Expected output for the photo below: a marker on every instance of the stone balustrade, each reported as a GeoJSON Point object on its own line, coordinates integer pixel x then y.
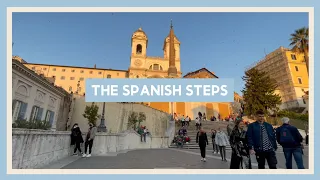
{"type": "Point", "coordinates": [37, 148]}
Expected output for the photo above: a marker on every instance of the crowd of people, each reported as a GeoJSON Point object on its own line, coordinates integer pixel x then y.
{"type": "Point", "coordinates": [258, 138]}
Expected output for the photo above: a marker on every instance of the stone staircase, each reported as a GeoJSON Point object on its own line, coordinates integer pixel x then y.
{"type": "Point", "coordinates": [207, 126]}
{"type": "Point", "coordinates": [192, 133]}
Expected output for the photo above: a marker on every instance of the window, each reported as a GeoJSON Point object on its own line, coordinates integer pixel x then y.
{"type": "Point", "coordinates": [117, 74]}
{"type": "Point", "coordinates": [71, 78]}
{"type": "Point", "coordinates": [62, 78]}
{"type": "Point", "coordinates": [99, 73]}
{"type": "Point", "coordinates": [300, 80]}
{"type": "Point", "coordinates": [54, 69]}
{"type": "Point", "coordinates": [36, 113]}
{"type": "Point", "coordinates": [19, 109]}
{"type": "Point", "coordinates": [139, 49]}
{"type": "Point", "coordinates": [44, 69]}
{"type": "Point", "coordinates": [296, 67]}
{"type": "Point", "coordinates": [156, 67]}
{"type": "Point", "coordinates": [293, 57]}
{"type": "Point", "coordinates": [108, 76]}
{"type": "Point", "coordinates": [81, 71]}
{"type": "Point", "coordinates": [81, 79]}
{"type": "Point", "coordinates": [137, 76]}
{"type": "Point", "coordinates": [63, 70]}
{"type": "Point", "coordinates": [91, 72]}
{"type": "Point", "coordinates": [54, 77]}
{"type": "Point", "coordinates": [70, 88]}
{"type": "Point", "coordinates": [72, 70]}
{"type": "Point", "coordinates": [50, 117]}
{"type": "Point", "coordinates": [33, 68]}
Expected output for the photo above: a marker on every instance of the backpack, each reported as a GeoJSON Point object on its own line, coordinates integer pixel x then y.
{"type": "Point", "coordinates": [286, 136]}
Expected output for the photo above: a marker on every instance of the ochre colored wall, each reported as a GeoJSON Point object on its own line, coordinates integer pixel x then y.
{"type": "Point", "coordinates": [223, 110]}
{"type": "Point", "coordinates": [181, 108]}
{"type": "Point", "coordinates": [209, 110]}
{"type": "Point", "coordinates": [162, 106]}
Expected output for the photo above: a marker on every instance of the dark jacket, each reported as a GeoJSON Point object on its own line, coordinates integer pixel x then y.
{"type": "Point", "coordinates": [254, 136]}
{"type": "Point", "coordinates": [202, 139]}
{"type": "Point", "coordinates": [76, 136]}
{"type": "Point", "coordinates": [294, 132]}
{"type": "Point", "coordinates": [239, 142]}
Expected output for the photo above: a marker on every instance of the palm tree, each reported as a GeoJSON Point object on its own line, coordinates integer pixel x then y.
{"type": "Point", "coordinates": [300, 42]}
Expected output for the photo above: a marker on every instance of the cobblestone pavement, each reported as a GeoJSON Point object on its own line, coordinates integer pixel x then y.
{"type": "Point", "coordinates": [156, 159]}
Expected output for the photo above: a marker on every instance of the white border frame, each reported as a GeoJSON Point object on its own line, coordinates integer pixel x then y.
{"type": "Point", "coordinates": [309, 10]}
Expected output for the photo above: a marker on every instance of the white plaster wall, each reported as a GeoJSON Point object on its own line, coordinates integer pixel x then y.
{"type": "Point", "coordinates": [30, 97]}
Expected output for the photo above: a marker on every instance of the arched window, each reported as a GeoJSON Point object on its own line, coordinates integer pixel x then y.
{"type": "Point", "coordinates": [139, 49]}
{"type": "Point", "coordinates": [70, 88]}
{"type": "Point", "coordinates": [137, 76]}
{"type": "Point", "coordinates": [108, 76]}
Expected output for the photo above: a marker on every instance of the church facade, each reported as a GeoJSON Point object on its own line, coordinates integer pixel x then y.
{"type": "Point", "coordinates": [72, 78]}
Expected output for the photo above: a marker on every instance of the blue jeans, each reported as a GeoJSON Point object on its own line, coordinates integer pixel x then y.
{"type": "Point", "coordinates": [297, 154]}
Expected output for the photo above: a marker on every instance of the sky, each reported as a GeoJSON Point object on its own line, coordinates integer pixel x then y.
{"type": "Point", "coordinates": [224, 43]}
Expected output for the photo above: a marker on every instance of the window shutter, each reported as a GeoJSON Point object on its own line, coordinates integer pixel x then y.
{"type": "Point", "coordinates": [23, 110]}
{"type": "Point", "coordinates": [13, 106]}
{"type": "Point", "coordinates": [51, 118]}
{"type": "Point", "coordinates": [39, 115]}
{"type": "Point", "coordinates": [31, 115]}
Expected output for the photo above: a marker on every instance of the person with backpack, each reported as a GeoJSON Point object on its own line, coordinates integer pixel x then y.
{"type": "Point", "coordinates": [290, 139]}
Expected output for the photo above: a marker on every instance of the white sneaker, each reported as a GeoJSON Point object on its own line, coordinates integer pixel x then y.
{"type": "Point", "coordinates": [201, 159]}
{"type": "Point", "coordinates": [204, 159]}
{"type": "Point", "coordinates": [89, 155]}
{"type": "Point", "coordinates": [84, 155]}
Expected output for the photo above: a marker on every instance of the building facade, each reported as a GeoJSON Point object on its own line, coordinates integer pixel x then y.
{"type": "Point", "coordinates": [72, 79]}
{"type": "Point", "coordinates": [36, 98]}
{"type": "Point", "coordinates": [290, 72]}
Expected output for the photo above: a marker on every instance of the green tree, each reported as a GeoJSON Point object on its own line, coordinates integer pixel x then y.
{"type": "Point", "coordinates": [141, 118]}
{"type": "Point", "coordinates": [259, 92]}
{"type": "Point", "coordinates": [91, 114]}
{"type": "Point", "coordinates": [132, 120]}
{"type": "Point", "coordinates": [300, 43]}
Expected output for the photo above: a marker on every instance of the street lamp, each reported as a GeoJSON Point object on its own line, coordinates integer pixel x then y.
{"type": "Point", "coordinates": [102, 127]}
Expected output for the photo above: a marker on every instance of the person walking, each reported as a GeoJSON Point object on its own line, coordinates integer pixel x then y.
{"type": "Point", "coordinates": [240, 157]}
{"type": "Point", "coordinates": [222, 141]}
{"type": "Point", "coordinates": [198, 124]}
{"type": "Point", "coordinates": [89, 140]}
{"type": "Point", "coordinates": [262, 142]}
{"type": "Point", "coordinates": [187, 121]}
{"type": "Point", "coordinates": [183, 123]}
{"type": "Point", "coordinates": [214, 146]}
{"type": "Point", "coordinates": [76, 139]}
{"type": "Point", "coordinates": [290, 139]}
{"type": "Point", "coordinates": [202, 140]}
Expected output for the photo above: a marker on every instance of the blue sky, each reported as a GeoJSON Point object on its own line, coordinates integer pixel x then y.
{"type": "Point", "coordinates": [225, 43]}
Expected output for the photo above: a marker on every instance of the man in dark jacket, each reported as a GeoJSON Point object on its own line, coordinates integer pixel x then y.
{"type": "Point", "coordinates": [262, 141]}
{"type": "Point", "coordinates": [290, 139]}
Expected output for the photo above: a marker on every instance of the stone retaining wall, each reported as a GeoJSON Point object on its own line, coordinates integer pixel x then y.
{"type": "Point", "coordinates": [37, 148]}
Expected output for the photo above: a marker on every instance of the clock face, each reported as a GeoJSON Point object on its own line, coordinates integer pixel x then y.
{"type": "Point", "coordinates": [138, 62]}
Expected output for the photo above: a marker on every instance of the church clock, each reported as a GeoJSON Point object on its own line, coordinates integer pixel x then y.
{"type": "Point", "coordinates": [138, 62]}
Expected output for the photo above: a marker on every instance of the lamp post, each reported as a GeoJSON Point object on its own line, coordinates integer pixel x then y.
{"type": "Point", "coordinates": [102, 127]}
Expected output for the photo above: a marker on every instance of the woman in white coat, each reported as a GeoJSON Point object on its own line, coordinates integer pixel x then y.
{"type": "Point", "coordinates": [222, 141]}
